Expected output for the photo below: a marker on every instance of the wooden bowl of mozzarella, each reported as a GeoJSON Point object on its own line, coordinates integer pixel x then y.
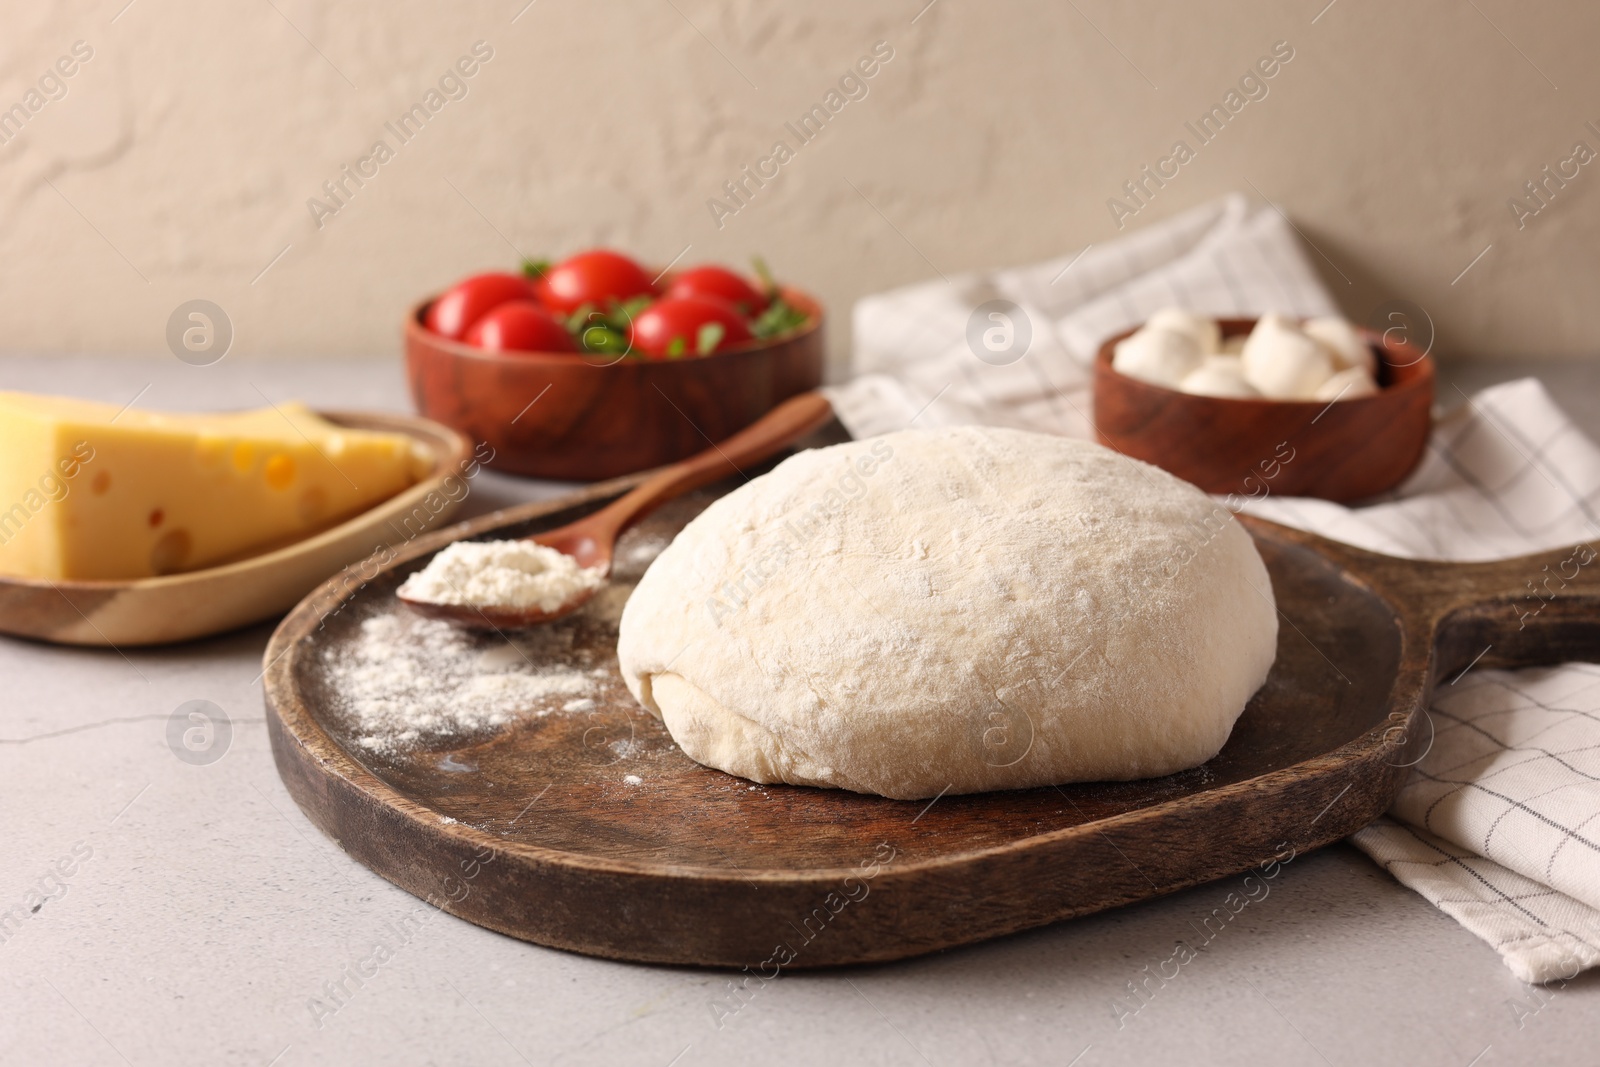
{"type": "Point", "coordinates": [1269, 406]}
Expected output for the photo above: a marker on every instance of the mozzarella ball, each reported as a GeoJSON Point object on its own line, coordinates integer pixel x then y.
{"type": "Point", "coordinates": [1343, 343]}
{"type": "Point", "coordinates": [1282, 362]}
{"type": "Point", "coordinates": [1219, 376]}
{"type": "Point", "coordinates": [1205, 331]}
{"type": "Point", "coordinates": [1347, 385]}
{"type": "Point", "coordinates": [1164, 357]}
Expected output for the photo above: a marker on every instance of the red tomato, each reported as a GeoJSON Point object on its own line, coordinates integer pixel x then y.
{"type": "Point", "coordinates": [520, 326]}
{"type": "Point", "coordinates": [719, 282]}
{"type": "Point", "coordinates": [453, 314]}
{"type": "Point", "coordinates": [597, 277]}
{"type": "Point", "coordinates": [682, 317]}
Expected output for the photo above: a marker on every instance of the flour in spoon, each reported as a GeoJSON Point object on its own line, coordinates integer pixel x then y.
{"type": "Point", "coordinates": [513, 574]}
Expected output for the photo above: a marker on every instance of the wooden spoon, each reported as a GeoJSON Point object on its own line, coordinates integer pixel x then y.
{"type": "Point", "coordinates": [591, 540]}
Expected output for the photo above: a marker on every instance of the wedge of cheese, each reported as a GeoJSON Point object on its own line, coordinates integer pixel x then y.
{"type": "Point", "coordinates": [90, 491]}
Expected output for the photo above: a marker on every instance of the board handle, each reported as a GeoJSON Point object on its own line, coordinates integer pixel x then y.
{"type": "Point", "coordinates": [1522, 612]}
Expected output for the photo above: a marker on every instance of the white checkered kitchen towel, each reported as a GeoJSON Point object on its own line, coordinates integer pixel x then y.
{"type": "Point", "coordinates": [1499, 824]}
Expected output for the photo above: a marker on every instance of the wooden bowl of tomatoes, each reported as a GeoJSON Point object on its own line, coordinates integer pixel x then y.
{"type": "Point", "coordinates": [596, 367]}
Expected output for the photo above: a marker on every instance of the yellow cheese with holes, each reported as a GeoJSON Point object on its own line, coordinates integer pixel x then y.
{"type": "Point", "coordinates": [90, 491]}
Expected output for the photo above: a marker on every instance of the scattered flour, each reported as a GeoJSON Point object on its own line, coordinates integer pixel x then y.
{"type": "Point", "coordinates": [632, 779]}
{"type": "Point", "coordinates": [406, 679]}
{"type": "Point", "coordinates": [641, 553]}
{"type": "Point", "coordinates": [515, 574]}
{"type": "Point", "coordinates": [608, 603]}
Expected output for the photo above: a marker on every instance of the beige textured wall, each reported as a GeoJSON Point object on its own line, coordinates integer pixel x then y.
{"type": "Point", "coordinates": [179, 161]}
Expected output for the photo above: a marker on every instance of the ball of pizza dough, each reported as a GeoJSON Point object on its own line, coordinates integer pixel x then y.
{"type": "Point", "coordinates": [957, 610]}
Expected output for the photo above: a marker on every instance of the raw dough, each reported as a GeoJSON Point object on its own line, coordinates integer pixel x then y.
{"type": "Point", "coordinates": [955, 610]}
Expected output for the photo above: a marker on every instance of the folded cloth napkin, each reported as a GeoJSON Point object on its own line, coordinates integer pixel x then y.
{"type": "Point", "coordinates": [915, 348]}
{"type": "Point", "coordinates": [1499, 824]}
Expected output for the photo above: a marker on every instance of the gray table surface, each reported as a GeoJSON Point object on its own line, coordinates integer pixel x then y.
{"type": "Point", "coordinates": [210, 918]}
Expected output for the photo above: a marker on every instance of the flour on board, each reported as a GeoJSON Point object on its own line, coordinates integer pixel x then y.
{"type": "Point", "coordinates": [406, 679]}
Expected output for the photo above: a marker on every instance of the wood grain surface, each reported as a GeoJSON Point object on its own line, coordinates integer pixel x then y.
{"type": "Point", "coordinates": [181, 607]}
{"type": "Point", "coordinates": [531, 828]}
{"type": "Point", "coordinates": [1344, 451]}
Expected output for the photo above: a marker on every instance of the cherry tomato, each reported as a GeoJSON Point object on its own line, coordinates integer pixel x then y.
{"type": "Point", "coordinates": [672, 326]}
{"type": "Point", "coordinates": [520, 326]}
{"type": "Point", "coordinates": [719, 282]}
{"type": "Point", "coordinates": [597, 277]}
{"type": "Point", "coordinates": [453, 314]}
